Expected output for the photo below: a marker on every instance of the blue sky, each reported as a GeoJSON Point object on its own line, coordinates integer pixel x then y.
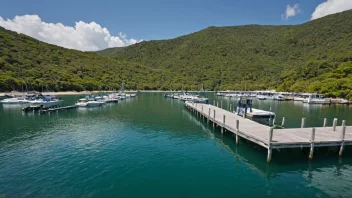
{"type": "Point", "coordinates": [161, 19]}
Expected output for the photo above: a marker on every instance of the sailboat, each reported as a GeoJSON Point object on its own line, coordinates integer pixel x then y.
{"type": "Point", "coordinates": [121, 94]}
{"type": "Point", "coordinates": [16, 97]}
{"type": "Point", "coordinates": [45, 101]}
{"type": "Point", "coordinates": [195, 98]}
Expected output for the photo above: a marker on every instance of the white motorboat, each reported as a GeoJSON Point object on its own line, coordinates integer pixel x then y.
{"type": "Point", "coordinates": [176, 96]}
{"type": "Point", "coordinates": [261, 97]}
{"type": "Point", "coordinates": [279, 97]}
{"type": "Point", "coordinates": [46, 103]}
{"type": "Point", "coordinates": [316, 99]}
{"type": "Point", "coordinates": [98, 97]}
{"type": "Point", "coordinates": [84, 102]}
{"type": "Point", "coordinates": [193, 98]}
{"type": "Point", "coordinates": [298, 99]}
{"type": "Point", "coordinates": [14, 101]}
{"type": "Point", "coordinates": [110, 99]}
{"type": "Point", "coordinates": [186, 97]}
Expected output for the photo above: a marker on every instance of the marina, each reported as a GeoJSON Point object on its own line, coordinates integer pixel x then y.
{"type": "Point", "coordinates": [310, 98]}
{"type": "Point", "coordinates": [209, 99]}
{"type": "Point", "coordinates": [150, 136]}
{"type": "Point", "coordinates": [271, 138]}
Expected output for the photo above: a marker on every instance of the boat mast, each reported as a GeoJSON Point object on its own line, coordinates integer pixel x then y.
{"type": "Point", "coordinates": [122, 88]}
{"type": "Point", "coordinates": [202, 90]}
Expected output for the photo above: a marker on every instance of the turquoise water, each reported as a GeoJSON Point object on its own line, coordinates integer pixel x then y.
{"type": "Point", "coordinates": [150, 146]}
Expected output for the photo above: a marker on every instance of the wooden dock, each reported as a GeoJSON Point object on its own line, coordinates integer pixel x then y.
{"type": "Point", "coordinates": [58, 109]}
{"type": "Point", "coordinates": [271, 138]}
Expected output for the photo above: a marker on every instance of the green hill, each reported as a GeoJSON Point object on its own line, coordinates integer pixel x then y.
{"type": "Point", "coordinates": [27, 61]}
{"type": "Point", "coordinates": [315, 56]}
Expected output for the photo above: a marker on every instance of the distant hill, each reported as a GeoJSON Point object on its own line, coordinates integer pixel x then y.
{"type": "Point", "coordinates": [110, 51]}
{"type": "Point", "coordinates": [315, 56]}
{"type": "Point", "coordinates": [27, 61]}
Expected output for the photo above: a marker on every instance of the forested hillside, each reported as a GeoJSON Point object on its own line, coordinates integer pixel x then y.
{"type": "Point", "coordinates": [315, 56]}
{"type": "Point", "coordinates": [27, 61]}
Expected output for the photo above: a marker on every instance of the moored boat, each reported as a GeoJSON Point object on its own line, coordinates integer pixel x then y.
{"type": "Point", "coordinates": [298, 98]}
{"type": "Point", "coordinates": [84, 102]}
{"type": "Point", "coordinates": [278, 97]}
{"type": "Point", "coordinates": [14, 101]}
{"type": "Point", "coordinates": [316, 99]}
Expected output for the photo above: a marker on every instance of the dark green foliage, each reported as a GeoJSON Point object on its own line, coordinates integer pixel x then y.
{"type": "Point", "coordinates": [315, 57]}
{"type": "Point", "coordinates": [26, 61]}
{"type": "Point", "coordinates": [305, 57]}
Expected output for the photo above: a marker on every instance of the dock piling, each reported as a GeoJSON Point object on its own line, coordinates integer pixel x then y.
{"type": "Point", "coordinates": [334, 124]}
{"type": "Point", "coordinates": [274, 121]}
{"type": "Point", "coordinates": [214, 119]}
{"type": "Point", "coordinates": [303, 122]}
{"type": "Point", "coordinates": [221, 104]}
{"type": "Point", "coordinates": [237, 130]}
{"type": "Point", "coordinates": [223, 124]}
{"type": "Point", "coordinates": [230, 108]}
{"type": "Point", "coordinates": [343, 133]}
{"type": "Point", "coordinates": [325, 122]}
{"type": "Point", "coordinates": [217, 103]}
{"type": "Point", "coordinates": [284, 138]}
{"type": "Point", "coordinates": [269, 144]}
{"type": "Point", "coordinates": [196, 109]}
{"type": "Point", "coordinates": [312, 137]}
{"type": "Point", "coordinates": [202, 114]}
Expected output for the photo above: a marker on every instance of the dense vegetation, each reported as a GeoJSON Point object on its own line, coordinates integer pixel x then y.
{"type": "Point", "coordinates": [25, 61]}
{"type": "Point", "coordinates": [315, 57]}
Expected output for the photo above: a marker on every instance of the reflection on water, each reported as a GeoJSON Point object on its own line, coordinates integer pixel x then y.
{"type": "Point", "coordinates": [315, 173]}
{"type": "Point", "coordinates": [150, 146]}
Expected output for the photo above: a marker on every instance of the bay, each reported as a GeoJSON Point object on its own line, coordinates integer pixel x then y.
{"type": "Point", "coordinates": [150, 146]}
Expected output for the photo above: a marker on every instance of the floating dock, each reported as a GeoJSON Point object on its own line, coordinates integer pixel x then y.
{"type": "Point", "coordinates": [47, 110]}
{"type": "Point", "coordinates": [271, 138]}
{"type": "Point", "coordinates": [57, 109]}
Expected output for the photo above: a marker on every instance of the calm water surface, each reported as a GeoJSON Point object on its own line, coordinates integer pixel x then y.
{"type": "Point", "coordinates": [150, 146]}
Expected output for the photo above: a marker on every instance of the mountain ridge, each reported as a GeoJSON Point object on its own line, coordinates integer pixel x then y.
{"type": "Point", "coordinates": [315, 56]}
{"type": "Point", "coordinates": [254, 56]}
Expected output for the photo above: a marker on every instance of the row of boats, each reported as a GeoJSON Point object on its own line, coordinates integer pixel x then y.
{"type": "Point", "coordinates": [95, 101]}
{"type": "Point", "coordinates": [33, 99]}
{"type": "Point", "coordinates": [184, 96]}
{"type": "Point", "coordinates": [188, 97]}
{"type": "Point", "coordinates": [36, 100]}
{"type": "Point", "coordinates": [309, 98]}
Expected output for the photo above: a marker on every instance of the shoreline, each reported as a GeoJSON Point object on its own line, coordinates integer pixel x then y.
{"type": "Point", "coordinates": [61, 93]}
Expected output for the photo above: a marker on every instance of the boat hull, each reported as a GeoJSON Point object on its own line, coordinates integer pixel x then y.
{"type": "Point", "coordinates": [45, 104]}
{"type": "Point", "coordinates": [14, 101]}
{"type": "Point", "coordinates": [88, 104]}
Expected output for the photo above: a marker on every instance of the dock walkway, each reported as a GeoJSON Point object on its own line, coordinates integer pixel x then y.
{"type": "Point", "coordinates": [271, 138]}
{"type": "Point", "coordinates": [58, 109]}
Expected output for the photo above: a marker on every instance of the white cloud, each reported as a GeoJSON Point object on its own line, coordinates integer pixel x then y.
{"type": "Point", "coordinates": [331, 7]}
{"type": "Point", "coordinates": [83, 36]}
{"type": "Point", "coordinates": [291, 11]}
